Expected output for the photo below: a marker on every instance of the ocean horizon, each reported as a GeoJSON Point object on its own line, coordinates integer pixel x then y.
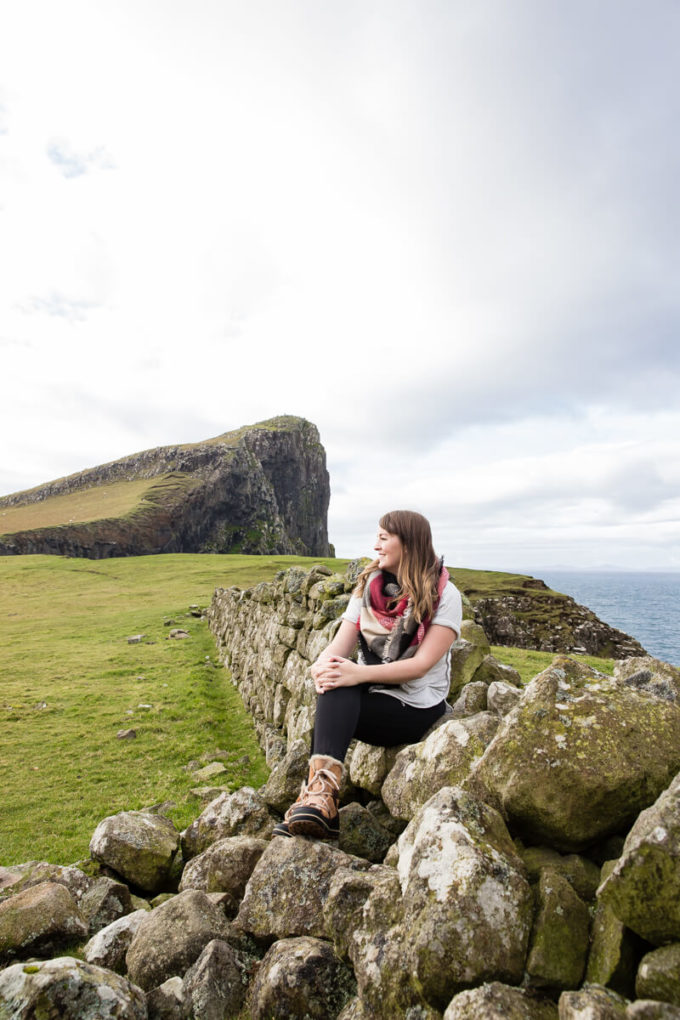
{"type": "Point", "coordinates": [643, 604]}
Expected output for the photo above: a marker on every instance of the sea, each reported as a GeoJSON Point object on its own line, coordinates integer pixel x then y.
{"type": "Point", "coordinates": [644, 605]}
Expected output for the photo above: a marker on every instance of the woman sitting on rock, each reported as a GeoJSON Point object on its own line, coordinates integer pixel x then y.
{"type": "Point", "coordinates": [405, 615]}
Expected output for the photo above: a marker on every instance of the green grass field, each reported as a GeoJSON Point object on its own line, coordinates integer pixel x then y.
{"type": "Point", "coordinates": [69, 681]}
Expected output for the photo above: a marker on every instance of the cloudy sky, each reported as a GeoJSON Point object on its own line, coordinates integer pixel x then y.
{"type": "Point", "coordinates": [446, 232]}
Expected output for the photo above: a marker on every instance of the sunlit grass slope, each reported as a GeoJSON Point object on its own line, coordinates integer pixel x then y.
{"type": "Point", "coordinates": [99, 502]}
{"type": "Point", "coordinates": [69, 681]}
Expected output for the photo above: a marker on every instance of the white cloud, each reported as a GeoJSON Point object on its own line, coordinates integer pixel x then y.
{"type": "Point", "coordinates": [446, 234]}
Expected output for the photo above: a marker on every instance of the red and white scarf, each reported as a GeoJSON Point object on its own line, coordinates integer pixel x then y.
{"type": "Point", "coordinates": [387, 629]}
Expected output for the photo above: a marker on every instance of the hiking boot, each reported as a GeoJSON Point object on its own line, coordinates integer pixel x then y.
{"type": "Point", "coordinates": [315, 812]}
{"type": "Point", "coordinates": [281, 829]}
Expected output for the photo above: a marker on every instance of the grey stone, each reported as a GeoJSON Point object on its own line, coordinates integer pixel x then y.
{"type": "Point", "coordinates": [592, 1002]}
{"type": "Point", "coordinates": [139, 846]}
{"type": "Point", "coordinates": [172, 937]}
{"type": "Point", "coordinates": [243, 813]}
{"type": "Point", "coordinates": [643, 888]}
{"type": "Point", "coordinates": [301, 977]}
{"type": "Point", "coordinates": [496, 1001]}
{"type": "Point", "coordinates": [559, 937]}
{"type": "Point", "coordinates": [579, 757]}
{"type": "Point", "coordinates": [225, 867]}
{"type": "Point", "coordinates": [40, 919]}
{"type": "Point", "coordinates": [108, 947]}
{"type": "Point", "coordinates": [68, 989]}
{"type": "Point", "coordinates": [445, 758]}
{"type": "Point", "coordinates": [288, 888]}
{"type": "Point", "coordinates": [104, 902]}
{"type": "Point", "coordinates": [658, 975]}
{"type": "Point", "coordinates": [216, 984]}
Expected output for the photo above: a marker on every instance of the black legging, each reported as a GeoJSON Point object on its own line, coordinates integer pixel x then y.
{"type": "Point", "coordinates": [348, 713]}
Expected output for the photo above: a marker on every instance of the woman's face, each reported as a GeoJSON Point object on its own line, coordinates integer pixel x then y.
{"type": "Point", "coordinates": [389, 550]}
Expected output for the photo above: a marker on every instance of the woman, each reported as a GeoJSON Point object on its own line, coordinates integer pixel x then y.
{"type": "Point", "coordinates": [405, 614]}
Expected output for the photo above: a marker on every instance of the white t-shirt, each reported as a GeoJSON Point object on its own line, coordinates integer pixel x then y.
{"type": "Point", "coordinates": [433, 687]}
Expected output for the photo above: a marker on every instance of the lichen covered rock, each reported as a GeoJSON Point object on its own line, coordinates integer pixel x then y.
{"type": "Point", "coordinates": [243, 813]}
{"type": "Point", "coordinates": [580, 756]}
{"type": "Point", "coordinates": [173, 936]}
{"type": "Point", "coordinates": [658, 976]}
{"type": "Point", "coordinates": [224, 867]}
{"type": "Point", "coordinates": [559, 938]}
{"type": "Point", "coordinates": [301, 977]}
{"type": "Point", "coordinates": [445, 758]}
{"type": "Point", "coordinates": [592, 1002]}
{"type": "Point", "coordinates": [137, 845]}
{"type": "Point", "coordinates": [643, 888]}
{"type": "Point", "coordinates": [216, 984]}
{"type": "Point", "coordinates": [496, 1001]}
{"type": "Point", "coordinates": [68, 989]}
{"type": "Point", "coordinates": [108, 947]}
{"type": "Point", "coordinates": [40, 919]}
{"type": "Point", "coordinates": [288, 887]}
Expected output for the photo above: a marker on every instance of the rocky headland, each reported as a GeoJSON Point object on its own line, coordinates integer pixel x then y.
{"type": "Point", "coordinates": [522, 861]}
{"type": "Point", "coordinates": [259, 489]}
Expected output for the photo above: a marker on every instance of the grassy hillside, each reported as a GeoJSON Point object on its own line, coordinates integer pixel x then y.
{"type": "Point", "coordinates": [69, 681]}
{"type": "Point", "coordinates": [100, 502]}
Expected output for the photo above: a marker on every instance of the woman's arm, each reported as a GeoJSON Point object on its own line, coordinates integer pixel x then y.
{"type": "Point", "coordinates": [338, 671]}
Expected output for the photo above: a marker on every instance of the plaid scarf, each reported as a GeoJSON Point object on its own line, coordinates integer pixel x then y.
{"type": "Point", "coordinates": [387, 628]}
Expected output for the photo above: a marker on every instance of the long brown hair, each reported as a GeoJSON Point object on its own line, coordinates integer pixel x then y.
{"type": "Point", "coordinates": [418, 572]}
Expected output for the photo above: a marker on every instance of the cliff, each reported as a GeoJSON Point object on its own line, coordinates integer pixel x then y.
{"type": "Point", "coordinates": [260, 489]}
{"type": "Point", "coordinates": [522, 612]}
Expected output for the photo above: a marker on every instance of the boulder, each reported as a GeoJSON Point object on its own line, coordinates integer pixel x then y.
{"type": "Point", "coordinates": [23, 876]}
{"type": "Point", "coordinates": [502, 697]}
{"type": "Point", "coordinates": [559, 937]}
{"type": "Point", "coordinates": [137, 845]}
{"type": "Point", "coordinates": [105, 901]}
{"type": "Point", "coordinates": [288, 887]}
{"type": "Point", "coordinates": [108, 947]}
{"type": "Point", "coordinates": [172, 937]}
{"type": "Point", "coordinates": [581, 873]}
{"type": "Point", "coordinates": [168, 1001]}
{"type": "Point", "coordinates": [650, 1009]}
{"type": "Point", "coordinates": [495, 1001]}
{"type": "Point", "coordinates": [287, 776]}
{"type": "Point", "coordinates": [645, 673]}
{"type": "Point", "coordinates": [215, 986]}
{"type": "Point", "coordinates": [592, 1002]}
{"type": "Point", "coordinates": [301, 977]}
{"type": "Point", "coordinates": [362, 835]}
{"type": "Point", "coordinates": [492, 671]}
{"type": "Point", "coordinates": [467, 654]}
{"type": "Point", "coordinates": [643, 888]}
{"type": "Point", "coordinates": [39, 920]}
{"type": "Point", "coordinates": [368, 766]}
{"type": "Point", "coordinates": [224, 867]}
{"type": "Point", "coordinates": [614, 949]}
{"type": "Point", "coordinates": [472, 699]}
{"type": "Point", "coordinates": [466, 903]}
{"type": "Point", "coordinates": [243, 813]}
{"type": "Point", "coordinates": [445, 758]}
{"type": "Point", "coordinates": [579, 757]}
{"type": "Point", "coordinates": [658, 975]}
{"type": "Point", "coordinates": [70, 990]}
{"type": "Point", "coordinates": [464, 916]}
{"type": "Point", "coordinates": [348, 893]}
